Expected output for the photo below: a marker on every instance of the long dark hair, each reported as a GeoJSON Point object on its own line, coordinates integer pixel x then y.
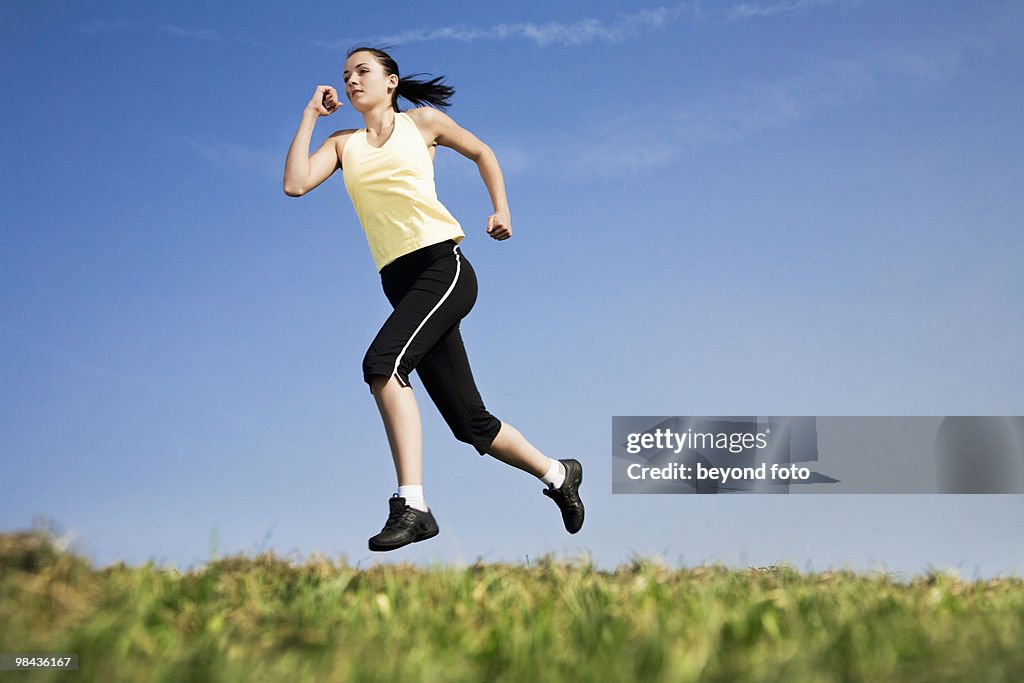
{"type": "Point", "coordinates": [432, 92]}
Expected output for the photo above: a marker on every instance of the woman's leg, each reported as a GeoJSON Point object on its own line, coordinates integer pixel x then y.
{"type": "Point", "coordinates": [401, 416]}
{"type": "Point", "coordinates": [424, 288]}
{"type": "Point", "coordinates": [448, 379]}
{"type": "Point", "coordinates": [512, 448]}
{"type": "Point", "coordinates": [446, 376]}
{"type": "Point", "coordinates": [423, 333]}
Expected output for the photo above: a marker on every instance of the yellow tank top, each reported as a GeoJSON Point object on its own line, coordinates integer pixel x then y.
{"type": "Point", "coordinates": [392, 189]}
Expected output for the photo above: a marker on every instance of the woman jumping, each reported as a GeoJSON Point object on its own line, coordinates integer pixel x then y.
{"type": "Point", "coordinates": [389, 174]}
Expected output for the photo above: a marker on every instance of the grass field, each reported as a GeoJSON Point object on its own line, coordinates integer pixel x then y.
{"type": "Point", "coordinates": [264, 618]}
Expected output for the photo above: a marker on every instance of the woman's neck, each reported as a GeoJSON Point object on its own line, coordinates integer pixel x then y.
{"type": "Point", "coordinates": [379, 121]}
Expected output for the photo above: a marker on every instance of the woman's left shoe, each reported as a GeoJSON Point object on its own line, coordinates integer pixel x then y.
{"type": "Point", "coordinates": [405, 525]}
{"type": "Point", "coordinates": [567, 497]}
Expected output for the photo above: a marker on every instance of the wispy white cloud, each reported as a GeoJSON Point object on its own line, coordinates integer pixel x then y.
{"type": "Point", "coordinates": [580, 32]}
{"type": "Point", "coordinates": [197, 34]}
{"type": "Point", "coordinates": [659, 136]}
{"type": "Point", "coordinates": [590, 30]}
{"type": "Point", "coordinates": [754, 10]}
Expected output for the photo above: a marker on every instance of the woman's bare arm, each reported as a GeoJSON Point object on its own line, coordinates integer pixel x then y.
{"type": "Point", "coordinates": [303, 172]}
{"type": "Point", "coordinates": [445, 131]}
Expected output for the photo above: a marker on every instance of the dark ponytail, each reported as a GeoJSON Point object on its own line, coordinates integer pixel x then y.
{"type": "Point", "coordinates": [433, 92]}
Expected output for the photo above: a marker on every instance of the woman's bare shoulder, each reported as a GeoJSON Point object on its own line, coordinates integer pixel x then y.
{"type": "Point", "coordinates": [430, 121]}
{"type": "Point", "coordinates": [426, 116]}
{"type": "Point", "coordinates": [340, 137]}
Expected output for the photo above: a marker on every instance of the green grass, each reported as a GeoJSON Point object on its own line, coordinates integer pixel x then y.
{"type": "Point", "coordinates": [264, 618]}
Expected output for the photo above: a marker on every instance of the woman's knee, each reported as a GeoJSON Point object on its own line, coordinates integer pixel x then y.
{"type": "Point", "coordinates": [377, 370]}
{"type": "Point", "coordinates": [479, 432]}
{"type": "Point", "coordinates": [377, 383]}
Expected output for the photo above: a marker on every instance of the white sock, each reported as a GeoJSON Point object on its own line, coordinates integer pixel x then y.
{"type": "Point", "coordinates": [555, 475]}
{"type": "Point", "coordinates": [413, 497]}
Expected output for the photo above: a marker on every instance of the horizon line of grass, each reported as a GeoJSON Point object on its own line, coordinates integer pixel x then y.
{"type": "Point", "coordinates": [46, 528]}
{"type": "Point", "coordinates": [264, 618]}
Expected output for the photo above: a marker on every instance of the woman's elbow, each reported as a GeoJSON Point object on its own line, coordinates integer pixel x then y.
{"type": "Point", "coordinates": [484, 152]}
{"type": "Point", "coordinates": [293, 191]}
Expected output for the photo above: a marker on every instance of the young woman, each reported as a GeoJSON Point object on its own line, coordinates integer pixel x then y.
{"type": "Point", "coordinates": [389, 174]}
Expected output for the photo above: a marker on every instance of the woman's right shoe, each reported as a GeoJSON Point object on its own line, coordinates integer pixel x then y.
{"type": "Point", "coordinates": [567, 497]}
{"type": "Point", "coordinates": [405, 525]}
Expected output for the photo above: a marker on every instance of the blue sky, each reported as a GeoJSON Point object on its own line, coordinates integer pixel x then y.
{"type": "Point", "coordinates": [783, 207]}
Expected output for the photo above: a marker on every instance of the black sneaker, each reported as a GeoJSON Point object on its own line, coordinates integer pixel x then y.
{"type": "Point", "coordinates": [405, 525]}
{"type": "Point", "coordinates": [568, 496]}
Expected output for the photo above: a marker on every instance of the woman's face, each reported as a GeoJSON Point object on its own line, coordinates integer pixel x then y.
{"type": "Point", "coordinates": [366, 86]}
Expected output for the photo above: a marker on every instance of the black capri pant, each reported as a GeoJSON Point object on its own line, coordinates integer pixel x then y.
{"type": "Point", "coordinates": [432, 289]}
